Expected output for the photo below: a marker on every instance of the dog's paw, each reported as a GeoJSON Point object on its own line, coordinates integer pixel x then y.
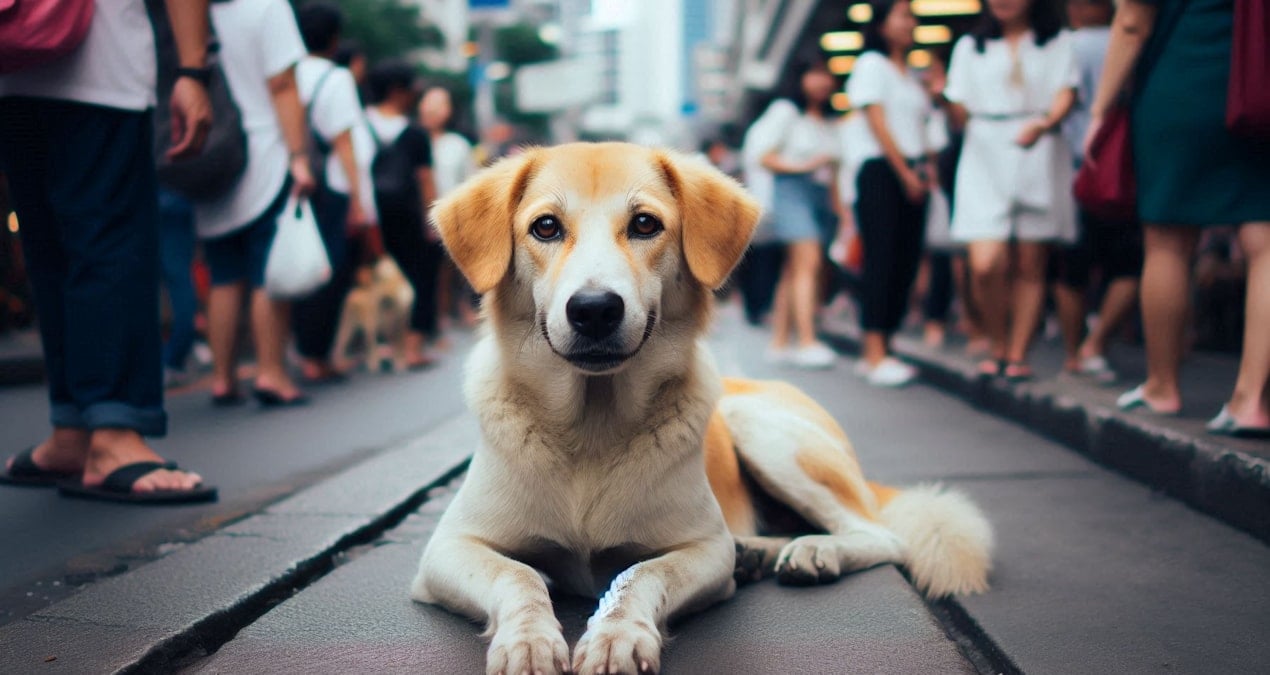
{"type": "Point", "coordinates": [618, 647]}
{"type": "Point", "coordinates": [809, 560]}
{"type": "Point", "coordinates": [537, 649]}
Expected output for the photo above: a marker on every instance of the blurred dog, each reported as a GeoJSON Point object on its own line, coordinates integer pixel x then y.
{"type": "Point", "coordinates": [377, 306]}
{"type": "Point", "coordinates": [616, 460]}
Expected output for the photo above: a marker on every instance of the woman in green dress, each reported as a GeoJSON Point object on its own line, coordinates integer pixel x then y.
{"type": "Point", "coordinates": [1192, 173]}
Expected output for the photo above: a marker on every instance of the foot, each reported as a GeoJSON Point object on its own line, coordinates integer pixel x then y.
{"type": "Point", "coordinates": [316, 371]}
{"type": "Point", "coordinates": [889, 372]}
{"type": "Point", "coordinates": [990, 368]}
{"type": "Point", "coordinates": [1018, 371]}
{"type": "Point", "coordinates": [777, 354]}
{"type": "Point", "coordinates": [618, 645]}
{"type": "Point", "coordinates": [1249, 412]}
{"type": "Point", "coordinates": [813, 356]}
{"type": "Point", "coordinates": [64, 451]}
{"type": "Point", "coordinates": [110, 449]}
{"type": "Point", "coordinates": [280, 387]}
{"type": "Point", "coordinates": [933, 334]}
{"type": "Point", "coordinates": [978, 346]}
{"type": "Point", "coordinates": [1144, 396]}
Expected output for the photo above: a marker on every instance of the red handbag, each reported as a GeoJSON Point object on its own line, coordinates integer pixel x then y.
{"type": "Point", "coordinates": [1248, 95]}
{"type": "Point", "coordinates": [34, 32]}
{"type": "Point", "coordinates": [1106, 185]}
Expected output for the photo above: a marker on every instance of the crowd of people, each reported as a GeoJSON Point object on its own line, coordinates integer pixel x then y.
{"type": "Point", "coordinates": [967, 173]}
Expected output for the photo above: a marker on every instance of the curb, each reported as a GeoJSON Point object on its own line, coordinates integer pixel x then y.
{"type": "Point", "coordinates": [1227, 484]}
{"type": "Point", "coordinates": [189, 603]}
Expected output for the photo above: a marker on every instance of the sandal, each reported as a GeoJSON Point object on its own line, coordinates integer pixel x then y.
{"type": "Point", "coordinates": [991, 368]}
{"type": "Point", "coordinates": [1018, 371]}
{"type": "Point", "coordinates": [118, 487]}
{"type": "Point", "coordinates": [1225, 424]}
{"type": "Point", "coordinates": [1136, 398]}
{"type": "Point", "coordinates": [272, 399]}
{"type": "Point", "coordinates": [26, 473]}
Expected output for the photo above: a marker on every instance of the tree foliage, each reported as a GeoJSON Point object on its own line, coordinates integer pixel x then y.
{"type": "Point", "coordinates": [386, 28]}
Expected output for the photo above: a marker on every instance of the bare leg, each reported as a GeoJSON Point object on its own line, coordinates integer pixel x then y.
{"type": "Point", "coordinates": [804, 267]}
{"type": "Point", "coordinates": [1250, 402]}
{"type": "Point", "coordinates": [1071, 318]}
{"type": "Point", "coordinates": [1027, 298]}
{"type": "Point", "coordinates": [875, 347]}
{"type": "Point", "coordinates": [781, 309]}
{"type": "Point", "coordinates": [989, 284]}
{"type": "Point", "coordinates": [1166, 277]}
{"type": "Point", "coordinates": [64, 450]}
{"type": "Point", "coordinates": [1121, 296]}
{"type": "Point", "coordinates": [223, 305]}
{"type": "Point", "coordinates": [269, 330]}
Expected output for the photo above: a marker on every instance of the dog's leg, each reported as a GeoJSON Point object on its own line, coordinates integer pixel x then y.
{"type": "Point", "coordinates": [798, 463]}
{"type": "Point", "coordinates": [756, 558]}
{"type": "Point", "coordinates": [625, 634]}
{"type": "Point", "coordinates": [510, 597]}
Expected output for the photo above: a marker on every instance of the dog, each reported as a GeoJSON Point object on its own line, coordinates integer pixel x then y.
{"type": "Point", "coordinates": [379, 304]}
{"type": "Point", "coordinates": [616, 462]}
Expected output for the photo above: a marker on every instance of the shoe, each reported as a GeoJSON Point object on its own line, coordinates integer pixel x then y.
{"type": "Point", "coordinates": [1096, 368]}
{"type": "Point", "coordinates": [1017, 372]}
{"type": "Point", "coordinates": [1225, 424]}
{"type": "Point", "coordinates": [1136, 398]}
{"type": "Point", "coordinates": [815, 356]}
{"type": "Point", "coordinates": [26, 473]}
{"type": "Point", "coordinates": [778, 356]}
{"type": "Point", "coordinates": [228, 399]}
{"type": "Point", "coordinates": [272, 399]}
{"type": "Point", "coordinates": [990, 368]}
{"type": "Point", "coordinates": [861, 369]}
{"type": "Point", "coordinates": [118, 487]}
{"type": "Point", "coordinates": [891, 372]}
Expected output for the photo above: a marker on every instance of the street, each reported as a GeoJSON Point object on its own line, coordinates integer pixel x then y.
{"type": "Point", "coordinates": [1093, 573]}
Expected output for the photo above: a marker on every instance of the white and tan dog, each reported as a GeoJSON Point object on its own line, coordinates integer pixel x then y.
{"type": "Point", "coordinates": [616, 460]}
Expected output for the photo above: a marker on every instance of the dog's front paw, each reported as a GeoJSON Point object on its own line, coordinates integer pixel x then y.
{"type": "Point", "coordinates": [618, 647]}
{"type": "Point", "coordinates": [536, 648]}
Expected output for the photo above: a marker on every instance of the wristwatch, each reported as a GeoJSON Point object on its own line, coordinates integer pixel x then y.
{"type": "Point", "coordinates": [201, 75]}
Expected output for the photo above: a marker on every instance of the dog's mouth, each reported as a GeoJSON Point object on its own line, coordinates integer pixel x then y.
{"type": "Point", "coordinates": [596, 358]}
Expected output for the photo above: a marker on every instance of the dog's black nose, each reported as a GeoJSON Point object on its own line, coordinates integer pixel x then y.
{"type": "Point", "coordinates": [595, 314]}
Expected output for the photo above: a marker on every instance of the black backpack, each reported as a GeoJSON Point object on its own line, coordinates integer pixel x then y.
{"type": "Point", "coordinates": [392, 174]}
{"type": "Point", "coordinates": [214, 171]}
{"type": "Point", "coordinates": [318, 149]}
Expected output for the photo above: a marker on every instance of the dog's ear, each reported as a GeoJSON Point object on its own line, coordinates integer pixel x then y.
{"type": "Point", "coordinates": [475, 220]}
{"type": "Point", "coordinates": [717, 216]}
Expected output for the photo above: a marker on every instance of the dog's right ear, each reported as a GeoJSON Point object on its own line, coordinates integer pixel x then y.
{"type": "Point", "coordinates": [475, 220]}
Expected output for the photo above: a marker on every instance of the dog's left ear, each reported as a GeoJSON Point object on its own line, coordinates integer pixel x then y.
{"type": "Point", "coordinates": [717, 216]}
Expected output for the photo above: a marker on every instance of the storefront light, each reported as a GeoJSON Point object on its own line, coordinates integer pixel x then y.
{"type": "Point", "coordinates": [13, 222]}
{"type": "Point", "coordinates": [945, 7]}
{"type": "Point", "coordinates": [841, 65]}
{"type": "Point", "coordinates": [840, 102]}
{"type": "Point", "coordinates": [932, 35]}
{"type": "Point", "coordinates": [842, 41]}
{"type": "Point", "coordinates": [860, 12]}
{"type": "Point", "coordinates": [919, 58]}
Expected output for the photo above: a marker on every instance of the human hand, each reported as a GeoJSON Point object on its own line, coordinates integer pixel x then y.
{"type": "Point", "coordinates": [1095, 125]}
{"type": "Point", "coordinates": [356, 219]}
{"type": "Point", "coordinates": [914, 186]}
{"type": "Point", "coordinates": [302, 181]}
{"type": "Point", "coordinates": [815, 163]}
{"type": "Point", "coordinates": [1031, 133]}
{"type": "Point", "coordinates": [191, 118]}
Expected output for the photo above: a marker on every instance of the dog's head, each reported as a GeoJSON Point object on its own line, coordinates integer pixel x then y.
{"type": "Point", "coordinates": [597, 243]}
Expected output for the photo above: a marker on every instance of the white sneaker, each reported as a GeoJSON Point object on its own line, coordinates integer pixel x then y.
{"type": "Point", "coordinates": [1097, 368]}
{"type": "Point", "coordinates": [777, 356]}
{"type": "Point", "coordinates": [890, 372]}
{"type": "Point", "coordinates": [814, 356]}
{"type": "Point", "coordinates": [861, 369]}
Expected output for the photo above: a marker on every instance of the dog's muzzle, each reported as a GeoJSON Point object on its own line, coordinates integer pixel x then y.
{"type": "Point", "coordinates": [595, 317]}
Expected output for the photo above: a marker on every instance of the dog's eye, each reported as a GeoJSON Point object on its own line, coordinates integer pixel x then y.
{"type": "Point", "coordinates": [545, 228]}
{"type": "Point", "coordinates": [644, 226]}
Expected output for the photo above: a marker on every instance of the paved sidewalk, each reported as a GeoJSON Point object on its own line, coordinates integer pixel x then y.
{"type": "Point", "coordinates": [1225, 477]}
{"type": "Point", "coordinates": [21, 359]}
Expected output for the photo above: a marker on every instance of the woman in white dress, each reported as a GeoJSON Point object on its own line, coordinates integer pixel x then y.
{"type": "Point", "coordinates": [1014, 78]}
{"type": "Point", "coordinates": [453, 162]}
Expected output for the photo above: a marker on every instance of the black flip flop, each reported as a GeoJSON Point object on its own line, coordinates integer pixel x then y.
{"type": "Point", "coordinates": [118, 487]}
{"type": "Point", "coordinates": [26, 473]}
{"type": "Point", "coordinates": [272, 399]}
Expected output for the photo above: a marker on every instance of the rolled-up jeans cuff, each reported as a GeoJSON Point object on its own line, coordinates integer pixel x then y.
{"type": "Point", "coordinates": [115, 415]}
{"type": "Point", "coordinates": [66, 416]}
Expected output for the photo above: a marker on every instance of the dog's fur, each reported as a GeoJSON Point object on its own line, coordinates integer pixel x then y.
{"type": "Point", "coordinates": [379, 304]}
{"type": "Point", "coordinates": [625, 467]}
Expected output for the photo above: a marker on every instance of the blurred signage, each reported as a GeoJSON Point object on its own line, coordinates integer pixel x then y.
{"type": "Point", "coordinates": [478, 5]}
{"type": "Point", "coordinates": [557, 85]}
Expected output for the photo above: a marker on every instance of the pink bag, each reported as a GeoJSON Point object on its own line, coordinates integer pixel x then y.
{"type": "Point", "coordinates": [34, 32]}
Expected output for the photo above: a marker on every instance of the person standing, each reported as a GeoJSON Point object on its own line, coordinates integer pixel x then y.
{"type": "Point", "coordinates": [453, 161]}
{"type": "Point", "coordinates": [895, 176]}
{"type": "Point", "coordinates": [1014, 78]}
{"type": "Point", "coordinates": [1205, 175]}
{"type": "Point", "coordinates": [76, 144]}
{"type": "Point", "coordinates": [260, 47]}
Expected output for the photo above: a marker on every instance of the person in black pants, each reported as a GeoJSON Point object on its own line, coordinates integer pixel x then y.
{"type": "Point", "coordinates": [404, 187]}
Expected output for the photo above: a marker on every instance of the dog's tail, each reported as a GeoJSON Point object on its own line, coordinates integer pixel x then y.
{"type": "Point", "coordinates": [948, 540]}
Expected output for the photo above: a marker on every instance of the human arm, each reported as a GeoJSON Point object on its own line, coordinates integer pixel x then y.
{"type": "Point", "coordinates": [286, 103]}
{"type": "Point", "coordinates": [1059, 108]}
{"type": "Point", "coordinates": [191, 109]}
{"type": "Point", "coordinates": [1134, 22]}
{"type": "Point", "coordinates": [914, 186]}
{"type": "Point", "coordinates": [342, 146]}
{"type": "Point", "coordinates": [772, 161]}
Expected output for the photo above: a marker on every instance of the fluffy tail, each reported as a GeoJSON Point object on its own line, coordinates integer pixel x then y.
{"type": "Point", "coordinates": [948, 539]}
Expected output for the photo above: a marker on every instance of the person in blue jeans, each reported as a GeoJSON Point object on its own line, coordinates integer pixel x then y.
{"type": "Point", "coordinates": [176, 255]}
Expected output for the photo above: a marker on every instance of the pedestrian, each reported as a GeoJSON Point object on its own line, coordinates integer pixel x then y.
{"type": "Point", "coordinates": [1203, 176]}
{"type": "Point", "coordinates": [1113, 248]}
{"type": "Point", "coordinates": [260, 46]}
{"type": "Point", "coordinates": [404, 188]}
{"type": "Point", "coordinates": [75, 143]}
{"type": "Point", "coordinates": [334, 114]}
{"type": "Point", "coordinates": [760, 268]}
{"type": "Point", "coordinates": [806, 213]}
{"type": "Point", "coordinates": [454, 161]}
{"type": "Point", "coordinates": [896, 174]}
{"type": "Point", "coordinates": [176, 258]}
{"type": "Point", "coordinates": [1014, 78]}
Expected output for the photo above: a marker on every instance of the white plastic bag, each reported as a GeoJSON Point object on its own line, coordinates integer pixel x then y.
{"type": "Point", "coordinates": [938, 222]}
{"type": "Point", "coordinates": [297, 263]}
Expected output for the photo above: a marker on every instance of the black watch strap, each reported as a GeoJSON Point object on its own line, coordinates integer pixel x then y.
{"type": "Point", "coordinates": [202, 75]}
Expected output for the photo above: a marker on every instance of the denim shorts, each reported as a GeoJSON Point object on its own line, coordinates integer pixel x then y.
{"type": "Point", "coordinates": [801, 210]}
{"type": "Point", "coordinates": [241, 255]}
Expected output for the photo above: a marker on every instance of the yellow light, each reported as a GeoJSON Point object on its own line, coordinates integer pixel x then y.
{"type": "Point", "coordinates": [932, 35]}
{"type": "Point", "coordinates": [919, 58]}
{"type": "Point", "coordinates": [945, 7]}
{"type": "Point", "coordinates": [841, 65]}
{"type": "Point", "coordinates": [842, 41]}
{"type": "Point", "coordinates": [860, 13]}
{"type": "Point", "coordinates": [840, 102]}
{"type": "Point", "coordinates": [13, 222]}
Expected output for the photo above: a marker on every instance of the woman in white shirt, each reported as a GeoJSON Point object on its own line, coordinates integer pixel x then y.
{"type": "Point", "coordinates": [803, 155]}
{"type": "Point", "coordinates": [453, 162]}
{"type": "Point", "coordinates": [1014, 77]}
{"type": "Point", "coordinates": [896, 173]}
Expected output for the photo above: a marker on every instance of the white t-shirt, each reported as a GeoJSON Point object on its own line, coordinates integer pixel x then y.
{"type": "Point", "coordinates": [875, 80]}
{"type": "Point", "coordinates": [452, 161]}
{"type": "Point", "coordinates": [114, 67]}
{"type": "Point", "coordinates": [259, 40]}
{"type": "Point", "coordinates": [336, 110]}
{"type": "Point", "coordinates": [992, 83]}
